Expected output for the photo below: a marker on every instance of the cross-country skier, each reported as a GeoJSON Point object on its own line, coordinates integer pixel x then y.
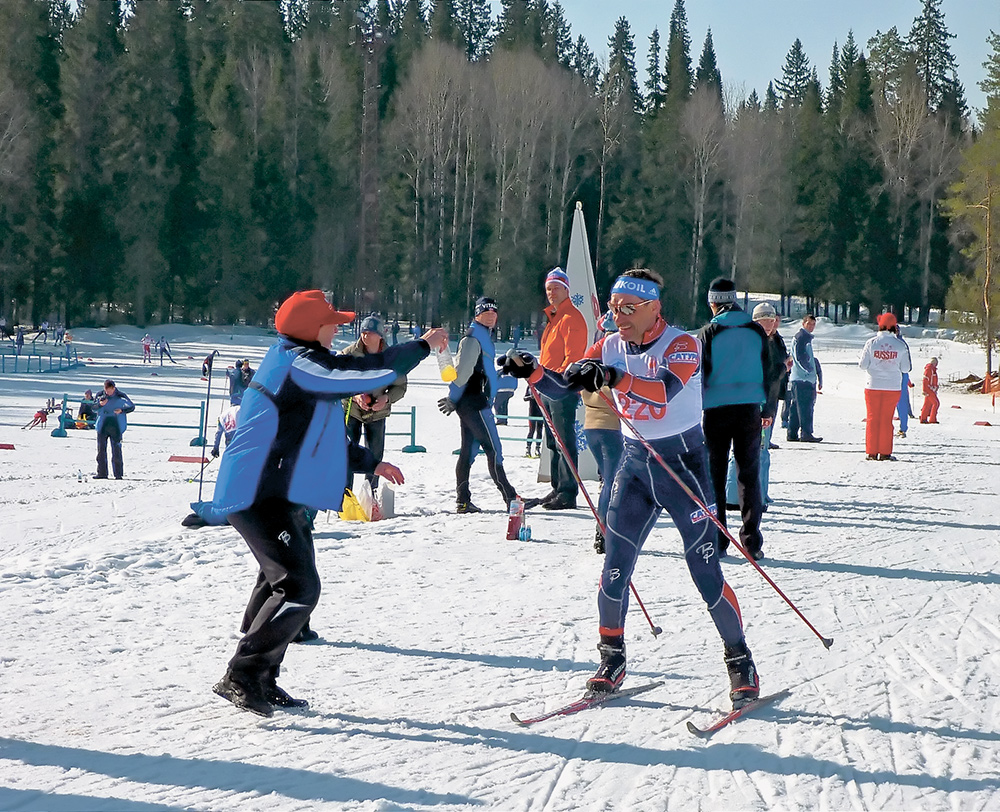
{"type": "Point", "coordinates": [290, 454]}
{"type": "Point", "coordinates": [654, 371]}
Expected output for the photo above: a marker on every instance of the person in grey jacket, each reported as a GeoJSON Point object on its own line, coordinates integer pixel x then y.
{"type": "Point", "coordinates": [112, 406]}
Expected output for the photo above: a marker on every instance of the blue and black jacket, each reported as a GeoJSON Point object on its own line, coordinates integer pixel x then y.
{"type": "Point", "coordinates": [106, 411]}
{"type": "Point", "coordinates": [476, 383]}
{"type": "Point", "coordinates": [290, 440]}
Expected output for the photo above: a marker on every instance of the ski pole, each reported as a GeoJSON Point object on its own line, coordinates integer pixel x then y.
{"type": "Point", "coordinates": [600, 522]}
{"type": "Point", "coordinates": [205, 465]}
{"type": "Point", "coordinates": [204, 428]}
{"type": "Point", "coordinates": [827, 641]}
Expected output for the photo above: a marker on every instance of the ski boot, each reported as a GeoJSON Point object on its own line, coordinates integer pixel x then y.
{"type": "Point", "coordinates": [743, 679]}
{"type": "Point", "coordinates": [467, 507]}
{"type": "Point", "coordinates": [611, 672]}
{"type": "Point", "coordinates": [599, 542]}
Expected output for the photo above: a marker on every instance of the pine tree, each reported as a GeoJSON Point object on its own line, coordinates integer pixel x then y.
{"type": "Point", "coordinates": [795, 76]}
{"type": "Point", "coordinates": [621, 65]}
{"type": "Point", "coordinates": [557, 35]}
{"type": "Point", "coordinates": [654, 74]}
{"type": "Point", "coordinates": [584, 64]}
{"type": "Point", "coordinates": [936, 64]}
{"type": "Point", "coordinates": [518, 26]}
{"type": "Point", "coordinates": [678, 79]}
{"type": "Point", "coordinates": [93, 50]}
{"type": "Point", "coordinates": [473, 18]}
{"type": "Point", "coordinates": [887, 55]}
{"type": "Point", "coordinates": [708, 75]}
{"type": "Point", "coordinates": [835, 91]}
{"type": "Point", "coordinates": [443, 23]}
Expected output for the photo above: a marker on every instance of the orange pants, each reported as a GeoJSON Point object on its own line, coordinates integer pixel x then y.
{"type": "Point", "coordinates": [929, 413]}
{"type": "Point", "coordinates": [881, 405]}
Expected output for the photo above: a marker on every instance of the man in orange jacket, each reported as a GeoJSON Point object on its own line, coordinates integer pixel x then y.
{"type": "Point", "coordinates": [564, 341]}
{"type": "Point", "coordinates": [931, 403]}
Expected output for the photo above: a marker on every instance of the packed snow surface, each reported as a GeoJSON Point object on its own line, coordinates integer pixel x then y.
{"type": "Point", "coordinates": [117, 622]}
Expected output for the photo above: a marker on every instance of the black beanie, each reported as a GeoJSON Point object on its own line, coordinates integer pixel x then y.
{"type": "Point", "coordinates": [722, 291]}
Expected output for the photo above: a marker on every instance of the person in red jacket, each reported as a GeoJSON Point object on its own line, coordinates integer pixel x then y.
{"type": "Point", "coordinates": [931, 403]}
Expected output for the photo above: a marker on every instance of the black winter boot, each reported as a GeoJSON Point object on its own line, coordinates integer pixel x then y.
{"type": "Point", "coordinates": [245, 692]}
{"type": "Point", "coordinates": [743, 678]}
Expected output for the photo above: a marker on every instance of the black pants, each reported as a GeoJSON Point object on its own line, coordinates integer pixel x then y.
{"type": "Point", "coordinates": [737, 427]}
{"type": "Point", "coordinates": [374, 441]}
{"type": "Point", "coordinates": [563, 414]}
{"type": "Point", "coordinates": [535, 427]}
{"type": "Point", "coordinates": [478, 427]}
{"type": "Point", "coordinates": [287, 588]}
{"type": "Point", "coordinates": [109, 432]}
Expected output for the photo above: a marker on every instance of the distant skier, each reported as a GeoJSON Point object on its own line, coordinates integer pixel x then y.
{"type": "Point", "coordinates": [654, 371]}
{"type": "Point", "coordinates": [226, 428]}
{"type": "Point", "coordinates": [164, 349]}
{"type": "Point", "coordinates": [147, 349]}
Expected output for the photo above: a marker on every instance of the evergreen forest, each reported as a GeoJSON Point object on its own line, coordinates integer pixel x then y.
{"type": "Point", "coordinates": [198, 160]}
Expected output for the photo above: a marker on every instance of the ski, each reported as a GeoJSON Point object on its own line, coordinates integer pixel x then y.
{"type": "Point", "coordinates": [589, 700]}
{"type": "Point", "coordinates": [732, 716]}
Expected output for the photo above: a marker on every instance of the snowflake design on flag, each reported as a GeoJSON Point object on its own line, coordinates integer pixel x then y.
{"type": "Point", "coordinates": [577, 299]}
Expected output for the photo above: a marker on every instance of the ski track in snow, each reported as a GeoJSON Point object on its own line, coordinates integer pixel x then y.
{"type": "Point", "coordinates": [434, 627]}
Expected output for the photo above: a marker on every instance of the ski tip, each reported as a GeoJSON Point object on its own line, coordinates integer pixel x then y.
{"type": "Point", "coordinates": [827, 641]}
{"type": "Point", "coordinates": [697, 731]}
{"type": "Point", "coordinates": [513, 718]}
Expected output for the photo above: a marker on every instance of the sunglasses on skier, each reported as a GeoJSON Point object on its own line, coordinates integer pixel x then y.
{"type": "Point", "coordinates": [626, 309]}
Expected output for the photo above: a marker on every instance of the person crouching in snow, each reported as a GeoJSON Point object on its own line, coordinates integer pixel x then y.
{"type": "Point", "coordinates": [290, 454]}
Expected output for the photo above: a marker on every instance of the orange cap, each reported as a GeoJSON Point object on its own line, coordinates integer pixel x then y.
{"type": "Point", "coordinates": [887, 321]}
{"type": "Point", "coordinates": [302, 315]}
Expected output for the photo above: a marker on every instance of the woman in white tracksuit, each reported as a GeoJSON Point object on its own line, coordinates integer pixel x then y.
{"type": "Point", "coordinates": [885, 358]}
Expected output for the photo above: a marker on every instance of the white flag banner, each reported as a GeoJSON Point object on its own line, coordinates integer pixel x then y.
{"type": "Point", "coordinates": [583, 294]}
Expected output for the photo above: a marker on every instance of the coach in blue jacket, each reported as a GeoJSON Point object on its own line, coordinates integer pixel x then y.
{"type": "Point", "coordinates": [112, 406]}
{"type": "Point", "coordinates": [735, 378]}
{"type": "Point", "coordinates": [289, 453]}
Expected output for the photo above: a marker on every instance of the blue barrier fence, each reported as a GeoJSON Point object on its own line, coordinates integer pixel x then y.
{"type": "Point", "coordinates": [66, 418]}
{"type": "Point", "coordinates": [12, 362]}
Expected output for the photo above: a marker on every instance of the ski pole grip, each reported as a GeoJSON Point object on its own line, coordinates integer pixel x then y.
{"type": "Point", "coordinates": [515, 356]}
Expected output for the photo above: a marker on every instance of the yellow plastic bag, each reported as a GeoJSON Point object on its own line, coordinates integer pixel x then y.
{"type": "Point", "coordinates": [351, 510]}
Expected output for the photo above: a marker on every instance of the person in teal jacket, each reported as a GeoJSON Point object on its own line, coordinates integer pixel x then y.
{"type": "Point", "coordinates": [735, 378]}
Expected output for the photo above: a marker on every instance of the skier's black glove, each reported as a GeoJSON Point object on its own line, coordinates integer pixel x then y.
{"type": "Point", "coordinates": [446, 405]}
{"type": "Point", "coordinates": [215, 451]}
{"type": "Point", "coordinates": [517, 364]}
{"type": "Point", "coordinates": [591, 375]}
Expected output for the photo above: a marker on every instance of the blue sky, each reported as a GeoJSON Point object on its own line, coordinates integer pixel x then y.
{"type": "Point", "coordinates": [752, 36]}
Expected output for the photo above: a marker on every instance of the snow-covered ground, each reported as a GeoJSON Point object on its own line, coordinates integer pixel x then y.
{"type": "Point", "coordinates": [117, 621]}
